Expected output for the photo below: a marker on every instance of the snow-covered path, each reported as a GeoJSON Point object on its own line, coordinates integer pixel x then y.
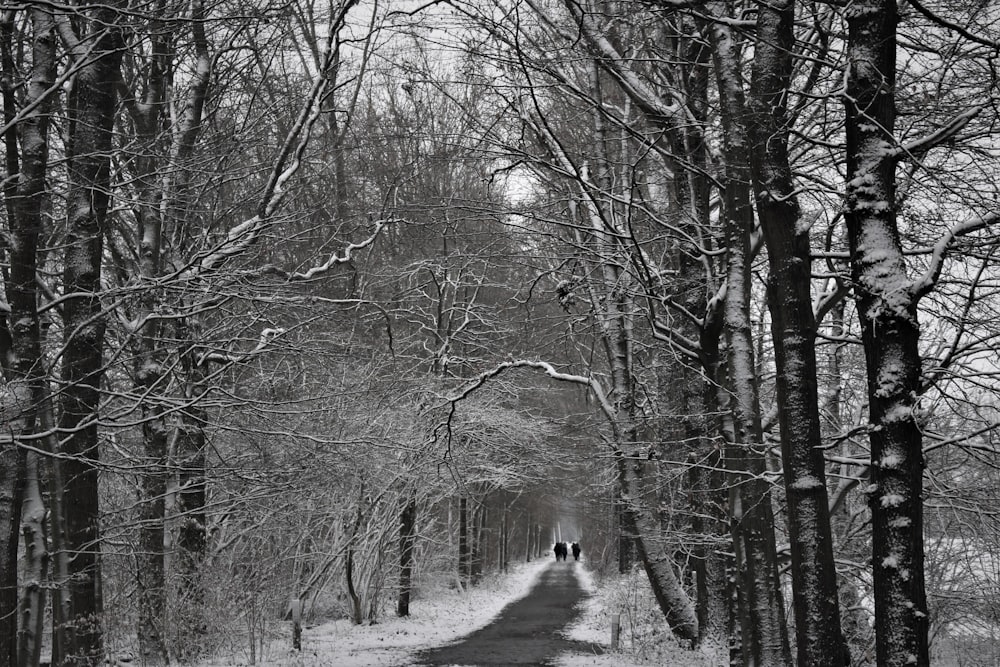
{"type": "Point", "coordinates": [529, 631]}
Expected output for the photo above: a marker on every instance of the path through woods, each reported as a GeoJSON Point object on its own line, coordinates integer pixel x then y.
{"type": "Point", "coordinates": [528, 631]}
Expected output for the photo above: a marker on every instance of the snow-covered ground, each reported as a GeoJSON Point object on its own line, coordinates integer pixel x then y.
{"type": "Point", "coordinates": [644, 638]}
{"type": "Point", "coordinates": [445, 615]}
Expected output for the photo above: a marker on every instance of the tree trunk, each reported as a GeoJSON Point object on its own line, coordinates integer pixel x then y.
{"type": "Point", "coordinates": [709, 570]}
{"type": "Point", "coordinates": [814, 577]}
{"type": "Point", "coordinates": [626, 540]}
{"type": "Point", "coordinates": [528, 537]}
{"type": "Point", "coordinates": [638, 521]}
{"type": "Point", "coordinates": [91, 112]}
{"type": "Point", "coordinates": [673, 601]}
{"type": "Point", "coordinates": [189, 457]}
{"type": "Point", "coordinates": [11, 487]}
{"type": "Point", "coordinates": [763, 632]}
{"type": "Point", "coordinates": [36, 558]}
{"type": "Point", "coordinates": [356, 614]}
{"type": "Point", "coordinates": [887, 310]}
{"type": "Point", "coordinates": [150, 571]}
{"type": "Point", "coordinates": [478, 552]}
{"type": "Point", "coordinates": [163, 204]}
{"type": "Point", "coordinates": [191, 540]}
{"type": "Point", "coordinates": [463, 541]}
{"type": "Point", "coordinates": [149, 368]}
{"type": "Point", "coordinates": [407, 536]}
{"type": "Point", "coordinates": [22, 362]}
{"type": "Point", "coordinates": [59, 556]}
{"type": "Point", "coordinates": [505, 535]}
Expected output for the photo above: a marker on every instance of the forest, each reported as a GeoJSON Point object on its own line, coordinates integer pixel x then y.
{"type": "Point", "coordinates": [328, 300]}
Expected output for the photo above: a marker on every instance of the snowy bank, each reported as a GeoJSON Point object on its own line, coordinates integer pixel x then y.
{"type": "Point", "coordinates": [436, 617]}
{"type": "Point", "coordinates": [644, 638]}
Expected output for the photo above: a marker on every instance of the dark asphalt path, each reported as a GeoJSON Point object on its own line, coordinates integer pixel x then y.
{"type": "Point", "coordinates": [527, 632]}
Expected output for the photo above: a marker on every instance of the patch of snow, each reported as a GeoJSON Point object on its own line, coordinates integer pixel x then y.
{"type": "Point", "coordinates": [892, 500]}
{"type": "Point", "coordinates": [897, 413]}
{"type": "Point", "coordinates": [891, 461]}
{"type": "Point", "coordinates": [806, 483]}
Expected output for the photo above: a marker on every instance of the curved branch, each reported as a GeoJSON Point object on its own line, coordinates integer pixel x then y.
{"type": "Point", "coordinates": [929, 280]}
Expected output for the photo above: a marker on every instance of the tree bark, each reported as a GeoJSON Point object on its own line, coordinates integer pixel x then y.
{"type": "Point", "coordinates": [356, 613]}
{"type": "Point", "coordinates": [22, 362]}
{"type": "Point", "coordinates": [150, 570]}
{"type": "Point", "coordinates": [673, 601]}
{"type": "Point", "coordinates": [477, 553]}
{"type": "Point", "coordinates": [36, 558]}
{"type": "Point", "coordinates": [407, 536]}
{"type": "Point", "coordinates": [191, 540]}
{"type": "Point", "coordinates": [11, 488]}
{"type": "Point", "coordinates": [814, 577]}
{"type": "Point", "coordinates": [686, 382]}
{"type": "Point", "coordinates": [763, 632]}
{"type": "Point", "coordinates": [91, 111]}
{"type": "Point", "coordinates": [626, 540]}
{"type": "Point", "coordinates": [887, 310]}
{"type": "Point", "coordinates": [463, 541]}
{"type": "Point", "coordinates": [148, 373]}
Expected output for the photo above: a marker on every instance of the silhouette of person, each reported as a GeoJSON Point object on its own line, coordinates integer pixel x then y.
{"type": "Point", "coordinates": [576, 551]}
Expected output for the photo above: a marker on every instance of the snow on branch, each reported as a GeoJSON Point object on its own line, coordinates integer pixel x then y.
{"type": "Point", "coordinates": [333, 260]}
{"type": "Point", "coordinates": [613, 62]}
{"type": "Point", "coordinates": [545, 367]}
{"type": "Point", "coordinates": [942, 134]}
{"type": "Point", "coordinates": [242, 236]}
{"type": "Point", "coordinates": [928, 281]}
{"type": "Point", "coordinates": [968, 440]}
{"type": "Point", "coordinates": [266, 336]}
{"type": "Point", "coordinates": [78, 64]}
{"type": "Point", "coordinates": [955, 27]}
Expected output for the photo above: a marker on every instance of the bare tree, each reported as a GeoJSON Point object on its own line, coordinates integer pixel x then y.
{"type": "Point", "coordinates": [815, 600]}
{"type": "Point", "coordinates": [887, 301]}
{"type": "Point", "coordinates": [27, 148]}
{"type": "Point", "coordinates": [91, 109]}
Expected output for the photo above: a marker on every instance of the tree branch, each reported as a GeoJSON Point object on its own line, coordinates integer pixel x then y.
{"type": "Point", "coordinates": [930, 278]}
{"type": "Point", "coordinates": [942, 134]}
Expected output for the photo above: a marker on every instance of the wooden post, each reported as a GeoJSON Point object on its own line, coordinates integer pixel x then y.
{"type": "Point", "coordinates": [615, 630]}
{"type": "Point", "coordinates": [296, 606]}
